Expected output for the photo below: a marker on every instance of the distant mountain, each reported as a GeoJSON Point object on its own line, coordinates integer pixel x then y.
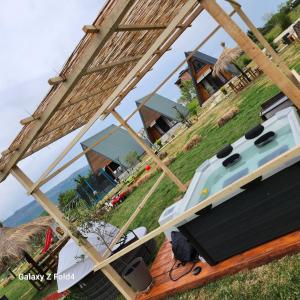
{"type": "Point", "coordinates": [33, 209]}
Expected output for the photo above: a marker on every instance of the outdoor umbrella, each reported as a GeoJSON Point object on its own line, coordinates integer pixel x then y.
{"type": "Point", "coordinates": [16, 241]}
{"type": "Point", "coordinates": [227, 58]}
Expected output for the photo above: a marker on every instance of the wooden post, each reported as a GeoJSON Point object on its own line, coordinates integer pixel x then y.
{"type": "Point", "coordinates": [149, 151]}
{"type": "Point", "coordinates": [134, 215]}
{"type": "Point", "coordinates": [276, 58]}
{"type": "Point", "coordinates": [275, 73]}
{"type": "Point", "coordinates": [11, 272]}
{"type": "Point", "coordinates": [296, 75]}
{"type": "Point", "coordinates": [57, 215]}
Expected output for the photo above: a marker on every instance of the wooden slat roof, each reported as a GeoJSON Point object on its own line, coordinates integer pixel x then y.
{"type": "Point", "coordinates": [72, 103]}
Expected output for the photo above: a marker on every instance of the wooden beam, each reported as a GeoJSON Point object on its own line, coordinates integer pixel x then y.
{"type": "Point", "coordinates": [140, 27]}
{"type": "Point", "coordinates": [276, 58]}
{"type": "Point", "coordinates": [190, 8]}
{"type": "Point", "coordinates": [296, 75]}
{"type": "Point", "coordinates": [28, 120]}
{"type": "Point", "coordinates": [76, 117]}
{"type": "Point", "coordinates": [274, 72]}
{"type": "Point", "coordinates": [113, 64]}
{"type": "Point", "coordinates": [57, 80]}
{"type": "Point", "coordinates": [76, 100]}
{"type": "Point", "coordinates": [91, 28]}
{"type": "Point", "coordinates": [149, 151]}
{"type": "Point", "coordinates": [72, 101]}
{"type": "Point", "coordinates": [224, 193]}
{"type": "Point", "coordinates": [107, 29]}
{"type": "Point", "coordinates": [134, 215]}
{"type": "Point", "coordinates": [57, 215]}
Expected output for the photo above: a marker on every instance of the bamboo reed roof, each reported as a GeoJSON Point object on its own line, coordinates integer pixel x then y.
{"type": "Point", "coordinates": [119, 53]}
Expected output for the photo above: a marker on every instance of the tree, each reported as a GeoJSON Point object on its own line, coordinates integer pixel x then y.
{"type": "Point", "coordinates": [132, 158]}
{"type": "Point", "coordinates": [65, 199]}
{"type": "Point", "coordinates": [284, 20]}
{"type": "Point", "coordinates": [183, 119]}
{"type": "Point", "coordinates": [188, 92]}
{"type": "Point", "coordinates": [252, 36]}
{"type": "Point", "coordinates": [193, 107]}
{"type": "Point", "coordinates": [85, 190]}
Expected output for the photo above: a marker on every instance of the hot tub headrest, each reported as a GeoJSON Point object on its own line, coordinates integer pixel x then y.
{"type": "Point", "coordinates": [224, 151]}
{"type": "Point", "coordinates": [231, 160]}
{"type": "Point", "coordinates": [265, 139]}
{"type": "Point", "coordinates": [254, 132]}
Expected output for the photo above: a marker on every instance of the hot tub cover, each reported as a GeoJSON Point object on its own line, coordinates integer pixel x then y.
{"type": "Point", "coordinates": [74, 265]}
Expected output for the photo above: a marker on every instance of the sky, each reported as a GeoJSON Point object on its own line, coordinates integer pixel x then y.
{"type": "Point", "coordinates": [37, 37]}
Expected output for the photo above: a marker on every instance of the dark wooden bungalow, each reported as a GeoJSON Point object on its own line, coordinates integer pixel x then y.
{"type": "Point", "coordinates": [108, 159]}
{"type": "Point", "coordinates": [199, 70]}
{"type": "Point", "coordinates": [159, 115]}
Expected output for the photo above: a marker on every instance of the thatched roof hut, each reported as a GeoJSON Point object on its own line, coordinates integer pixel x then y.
{"type": "Point", "coordinates": [227, 57]}
{"type": "Point", "coordinates": [14, 241]}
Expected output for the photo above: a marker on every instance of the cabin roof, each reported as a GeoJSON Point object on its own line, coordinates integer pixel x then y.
{"type": "Point", "coordinates": [116, 146]}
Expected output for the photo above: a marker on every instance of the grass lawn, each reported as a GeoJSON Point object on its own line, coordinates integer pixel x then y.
{"type": "Point", "coordinates": [23, 290]}
{"type": "Point", "coordinates": [214, 138]}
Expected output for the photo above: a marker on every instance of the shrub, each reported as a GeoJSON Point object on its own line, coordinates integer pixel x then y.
{"type": "Point", "coordinates": [158, 143]}
{"type": "Point", "coordinates": [270, 41]}
{"type": "Point", "coordinates": [193, 107]}
{"type": "Point", "coordinates": [228, 116]}
{"type": "Point", "coordinates": [193, 142]}
{"type": "Point", "coordinates": [132, 158]}
{"type": "Point", "coordinates": [224, 91]}
{"type": "Point", "coordinates": [246, 60]}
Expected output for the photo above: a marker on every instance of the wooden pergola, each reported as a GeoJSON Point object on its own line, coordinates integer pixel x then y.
{"type": "Point", "coordinates": [119, 48]}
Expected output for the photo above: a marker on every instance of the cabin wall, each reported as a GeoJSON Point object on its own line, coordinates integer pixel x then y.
{"type": "Point", "coordinates": [96, 161]}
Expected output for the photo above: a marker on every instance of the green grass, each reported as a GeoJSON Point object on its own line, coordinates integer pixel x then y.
{"type": "Point", "coordinates": [277, 280]}
{"type": "Point", "coordinates": [17, 289]}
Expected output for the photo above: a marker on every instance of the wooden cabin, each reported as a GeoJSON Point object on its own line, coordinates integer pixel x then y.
{"type": "Point", "coordinates": [109, 156]}
{"type": "Point", "coordinates": [159, 115]}
{"type": "Point", "coordinates": [199, 70]}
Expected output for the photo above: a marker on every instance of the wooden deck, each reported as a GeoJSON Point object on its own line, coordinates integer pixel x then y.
{"type": "Point", "coordinates": [262, 254]}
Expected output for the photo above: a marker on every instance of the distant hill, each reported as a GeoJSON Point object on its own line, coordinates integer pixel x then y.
{"type": "Point", "coordinates": [33, 209]}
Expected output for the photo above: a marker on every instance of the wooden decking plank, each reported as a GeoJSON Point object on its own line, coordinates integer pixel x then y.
{"type": "Point", "coordinates": [164, 286]}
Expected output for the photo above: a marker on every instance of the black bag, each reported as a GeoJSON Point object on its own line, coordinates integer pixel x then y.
{"type": "Point", "coordinates": [182, 249]}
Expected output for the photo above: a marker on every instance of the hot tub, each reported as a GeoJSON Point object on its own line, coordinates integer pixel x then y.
{"type": "Point", "coordinates": [262, 210]}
